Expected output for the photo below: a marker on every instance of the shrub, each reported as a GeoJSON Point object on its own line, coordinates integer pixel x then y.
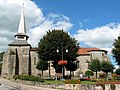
{"type": "Point", "coordinates": [29, 78]}
{"type": "Point", "coordinates": [72, 82]}
{"type": "Point", "coordinates": [89, 73]}
{"type": "Point", "coordinates": [112, 86]}
{"type": "Point", "coordinates": [102, 75]}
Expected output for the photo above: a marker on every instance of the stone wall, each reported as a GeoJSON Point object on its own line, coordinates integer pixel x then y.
{"type": "Point", "coordinates": [72, 86]}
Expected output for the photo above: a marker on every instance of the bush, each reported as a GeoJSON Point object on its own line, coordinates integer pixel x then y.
{"type": "Point", "coordinates": [72, 82]}
{"type": "Point", "coordinates": [112, 86]}
{"type": "Point", "coordinates": [102, 75]}
{"type": "Point", "coordinates": [89, 73]}
{"type": "Point", "coordinates": [29, 78]}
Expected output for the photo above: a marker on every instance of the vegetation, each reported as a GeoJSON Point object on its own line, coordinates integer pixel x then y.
{"type": "Point", "coordinates": [106, 67]}
{"type": "Point", "coordinates": [1, 60]}
{"type": "Point", "coordinates": [117, 71]}
{"type": "Point", "coordinates": [95, 66]}
{"type": "Point", "coordinates": [57, 39]}
{"type": "Point", "coordinates": [116, 50]}
{"type": "Point", "coordinates": [29, 78]}
{"type": "Point", "coordinates": [72, 82]}
{"type": "Point", "coordinates": [87, 82]}
{"type": "Point", "coordinates": [89, 73]}
{"type": "Point", "coordinates": [42, 65]}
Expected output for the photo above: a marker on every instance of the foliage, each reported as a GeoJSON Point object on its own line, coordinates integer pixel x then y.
{"type": "Point", "coordinates": [1, 59]}
{"type": "Point", "coordinates": [95, 66]}
{"type": "Point", "coordinates": [71, 66]}
{"type": "Point", "coordinates": [72, 81]}
{"type": "Point", "coordinates": [29, 78]}
{"type": "Point", "coordinates": [116, 50]}
{"type": "Point", "coordinates": [42, 65]}
{"type": "Point", "coordinates": [87, 82]}
{"type": "Point", "coordinates": [112, 86]}
{"type": "Point", "coordinates": [53, 82]}
{"type": "Point", "coordinates": [1, 56]}
{"type": "Point", "coordinates": [106, 67]}
{"type": "Point", "coordinates": [117, 71]}
{"type": "Point", "coordinates": [89, 73]}
{"type": "Point", "coordinates": [57, 39]}
{"type": "Point", "coordinates": [102, 75]}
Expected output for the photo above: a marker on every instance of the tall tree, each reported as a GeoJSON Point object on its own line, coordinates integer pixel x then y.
{"type": "Point", "coordinates": [116, 50]}
{"type": "Point", "coordinates": [57, 39]}
{"type": "Point", "coordinates": [42, 65]}
{"type": "Point", "coordinates": [95, 66]}
{"type": "Point", "coordinates": [106, 67]}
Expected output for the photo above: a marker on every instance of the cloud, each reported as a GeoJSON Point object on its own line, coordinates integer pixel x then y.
{"type": "Point", "coordinates": [101, 37]}
{"type": "Point", "coordinates": [36, 23]}
{"type": "Point", "coordinates": [52, 21]}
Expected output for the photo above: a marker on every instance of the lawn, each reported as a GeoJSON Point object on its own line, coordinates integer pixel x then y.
{"type": "Point", "coordinates": [87, 82]}
{"type": "Point", "coordinates": [52, 82]}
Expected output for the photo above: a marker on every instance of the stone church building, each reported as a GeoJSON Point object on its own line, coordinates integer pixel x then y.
{"type": "Point", "coordinates": [21, 59]}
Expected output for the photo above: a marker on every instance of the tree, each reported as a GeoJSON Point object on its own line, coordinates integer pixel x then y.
{"type": "Point", "coordinates": [116, 50]}
{"type": "Point", "coordinates": [71, 67]}
{"type": "Point", "coordinates": [42, 65]}
{"type": "Point", "coordinates": [106, 67]}
{"type": "Point", "coordinates": [57, 39]}
{"type": "Point", "coordinates": [89, 73]}
{"type": "Point", "coordinates": [95, 66]}
{"type": "Point", "coordinates": [1, 60]}
{"type": "Point", "coordinates": [117, 71]}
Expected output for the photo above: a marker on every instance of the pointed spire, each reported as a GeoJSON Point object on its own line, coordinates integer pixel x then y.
{"type": "Point", "coordinates": [22, 28]}
{"type": "Point", "coordinates": [21, 34]}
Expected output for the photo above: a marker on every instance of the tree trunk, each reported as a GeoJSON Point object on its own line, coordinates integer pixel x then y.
{"type": "Point", "coordinates": [70, 74]}
{"type": "Point", "coordinates": [42, 72]}
{"type": "Point", "coordinates": [96, 74]}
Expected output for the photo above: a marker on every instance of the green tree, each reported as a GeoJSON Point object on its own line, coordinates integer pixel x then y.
{"type": "Point", "coordinates": [117, 71]}
{"type": "Point", "coordinates": [106, 67]}
{"type": "Point", "coordinates": [71, 66]}
{"type": "Point", "coordinates": [1, 60]}
{"type": "Point", "coordinates": [57, 39]}
{"type": "Point", "coordinates": [42, 65]}
{"type": "Point", "coordinates": [95, 66]}
{"type": "Point", "coordinates": [89, 73]}
{"type": "Point", "coordinates": [116, 50]}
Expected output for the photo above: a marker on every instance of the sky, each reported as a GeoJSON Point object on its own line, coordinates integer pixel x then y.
{"type": "Point", "coordinates": [94, 23]}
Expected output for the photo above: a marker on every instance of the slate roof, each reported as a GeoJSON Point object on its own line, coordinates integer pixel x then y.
{"type": "Point", "coordinates": [19, 43]}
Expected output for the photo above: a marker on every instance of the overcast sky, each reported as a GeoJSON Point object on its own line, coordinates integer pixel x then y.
{"type": "Point", "coordinates": [93, 23]}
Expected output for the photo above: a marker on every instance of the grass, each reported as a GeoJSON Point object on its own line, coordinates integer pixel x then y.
{"type": "Point", "coordinates": [52, 82]}
{"type": "Point", "coordinates": [87, 82]}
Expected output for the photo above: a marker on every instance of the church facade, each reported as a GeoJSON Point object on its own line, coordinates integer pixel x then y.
{"type": "Point", "coordinates": [21, 59]}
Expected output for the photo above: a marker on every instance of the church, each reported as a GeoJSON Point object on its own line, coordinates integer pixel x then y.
{"type": "Point", "coordinates": [21, 59]}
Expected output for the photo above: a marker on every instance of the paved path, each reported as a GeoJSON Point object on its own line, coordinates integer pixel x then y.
{"type": "Point", "coordinates": [9, 85]}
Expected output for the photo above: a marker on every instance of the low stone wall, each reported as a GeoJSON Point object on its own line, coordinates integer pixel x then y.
{"type": "Point", "coordinates": [72, 86]}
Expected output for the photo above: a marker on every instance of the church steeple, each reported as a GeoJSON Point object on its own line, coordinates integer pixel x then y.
{"type": "Point", "coordinates": [22, 28]}
{"type": "Point", "coordinates": [21, 34]}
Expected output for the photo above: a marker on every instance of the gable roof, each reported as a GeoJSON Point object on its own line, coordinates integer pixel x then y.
{"type": "Point", "coordinates": [85, 51]}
